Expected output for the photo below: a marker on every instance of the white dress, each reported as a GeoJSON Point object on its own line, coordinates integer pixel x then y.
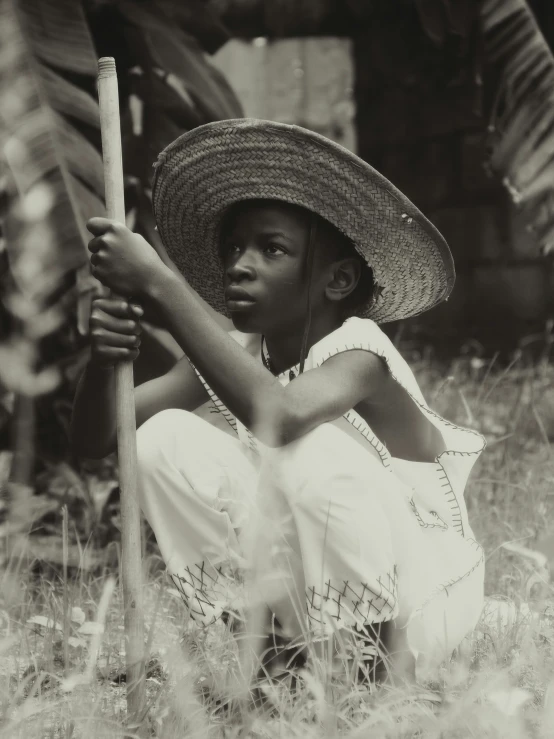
{"type": "Point", "coordinates": [375, 537]}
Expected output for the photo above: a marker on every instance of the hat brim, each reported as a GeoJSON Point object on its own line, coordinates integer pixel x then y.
{"type": "Point", "coordinates": [205, 171]}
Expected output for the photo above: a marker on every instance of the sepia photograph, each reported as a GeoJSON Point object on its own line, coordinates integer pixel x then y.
{"type": "Point", "coordinates": [276, 369]}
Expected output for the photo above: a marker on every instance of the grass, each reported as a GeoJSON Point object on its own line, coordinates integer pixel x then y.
{"type": "Point", "coordinates": [61, 680]}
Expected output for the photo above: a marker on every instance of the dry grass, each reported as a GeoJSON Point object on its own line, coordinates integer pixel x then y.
{"type": "Point", "coordinates": [499, 684]}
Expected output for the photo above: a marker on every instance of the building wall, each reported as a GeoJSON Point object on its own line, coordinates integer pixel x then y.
{"type": "Point", "coordinates": [309, 82]}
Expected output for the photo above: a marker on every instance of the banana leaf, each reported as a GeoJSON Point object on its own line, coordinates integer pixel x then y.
{"type": "Point", "coordinates": [199, 19]}
{"type": "Point", "coordinates": [48, 105]}
{"type": "Point", "coordinates": [522, 120]}
{"type": "Point", "coordinates": [177, 87]}
{"type": "Point", "coordinates": [58, 33]}
{"type": "Point", "coordinates": [40, 113]}
{"type": "Point", "coordinates": [441, 18]}
{"type": "Point", "coordinates": [170, 48]}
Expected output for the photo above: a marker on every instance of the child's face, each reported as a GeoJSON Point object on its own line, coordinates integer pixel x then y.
{"type": "Point", "coordinates": [264, 259]}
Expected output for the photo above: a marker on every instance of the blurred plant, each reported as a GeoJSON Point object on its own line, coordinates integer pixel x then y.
{"type": "Point", "coordinates": [52, 182]}
{"type": "Point", "coordinates": [34, 317]}
{"type": "Point", "coordinates": [49, 110]}
{"type": "Point", "coordinates": [513, 69]}
{"type": "Point", "coordinates": [166, 87]}
{"type": "Point", "coordinates": [520, 71]}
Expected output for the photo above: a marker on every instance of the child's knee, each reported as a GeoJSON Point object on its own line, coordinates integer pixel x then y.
{"type": "Point", "coordinates": [157, 436]}
{"type": "Point", "coordinates": [308, 466]}
{"type": "Point", "coordinates": [309, 447]}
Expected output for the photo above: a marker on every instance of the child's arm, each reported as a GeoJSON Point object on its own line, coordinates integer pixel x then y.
{"type": "Point", "coordinates": [129, 266]}
{"type": "Point", "coordinates": [275, 414]}
{"type": "Point", "coordinates": [222, 321]}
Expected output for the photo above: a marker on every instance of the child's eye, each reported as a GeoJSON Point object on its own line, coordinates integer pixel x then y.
{"type": "Point", "coordinates": [275, 249]}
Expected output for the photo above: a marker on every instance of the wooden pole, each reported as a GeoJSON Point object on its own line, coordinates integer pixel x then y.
{"type": "Point", "coordinates": [131, 569]}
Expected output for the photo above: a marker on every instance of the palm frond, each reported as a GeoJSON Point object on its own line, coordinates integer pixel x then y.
{"type": "Point", "coordinates": [521, 125]}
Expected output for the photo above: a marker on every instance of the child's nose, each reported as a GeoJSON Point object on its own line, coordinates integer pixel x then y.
{"type": "Point", "coordinates": [242, 266]}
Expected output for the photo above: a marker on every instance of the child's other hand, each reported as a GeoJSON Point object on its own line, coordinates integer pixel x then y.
{"type": "Point", "coordinates": [114, 331]}
{"type": "Point", "coordinates": [122, 260]}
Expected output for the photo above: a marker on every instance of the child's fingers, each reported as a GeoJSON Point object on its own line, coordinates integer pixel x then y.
{"type": "Point", "coordinates": [112, 354]}
{"type": "Point", "coordinates": [117, 307]}
{"type": "Point", "coordinates": [102, 338]}
{"type": "Point", "coordinates": [122, 326]}
{"type": "Point", "coordinates": [95, 244]}
{"type": "Point", "coordinates": [98, 225]}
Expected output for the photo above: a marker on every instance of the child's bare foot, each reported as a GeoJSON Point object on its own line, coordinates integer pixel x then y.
{"type": "Point", "coordinates": [279, 656]}
{"type": "Point", "coordinates": [393, 662]}
{"type": "Point", "coordinates": [377, 653]}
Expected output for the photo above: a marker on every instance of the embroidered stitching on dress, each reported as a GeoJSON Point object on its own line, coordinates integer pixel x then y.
{"type": "Point", "coordinates": [199, 585]}
{"type": "Point", "coordinates": [369, 605]}
{"type": "Point", "coordinates": [217, 404]}
{"type": "Point", "coordinates": [365, 430]}
{"type": "Point", "coordinates": [252, 443]}
{"type": "Point", "coordinates": [377, 606]}
{"type": "Point", "coordinates": [444, 586]}
{"type": "Point", "coordinates": [424, 524]}
{"type": "Point", "coordinates": [451, 499]}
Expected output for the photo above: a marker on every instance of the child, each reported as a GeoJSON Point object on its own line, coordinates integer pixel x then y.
{"type": "Point", "coordinates": [305, 413]}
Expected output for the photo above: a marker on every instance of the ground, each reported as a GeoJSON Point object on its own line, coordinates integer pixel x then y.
{"type": "Point", "coordinates": [498, 684]}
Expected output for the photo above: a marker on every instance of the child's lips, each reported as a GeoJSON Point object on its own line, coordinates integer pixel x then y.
{"type": "Point", "coordinates": [238, 299]}
{"type": "Point", "coordinates": [235, 306]}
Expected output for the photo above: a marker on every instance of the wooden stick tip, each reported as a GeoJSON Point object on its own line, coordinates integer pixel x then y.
{"type": "Point", "coordinates": [106, 66]}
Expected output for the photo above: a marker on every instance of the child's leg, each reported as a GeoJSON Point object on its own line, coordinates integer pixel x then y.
{"type": "Point", "coordinates": [348, 514]}
{"type": "Point", "coordinates": [195, 483]}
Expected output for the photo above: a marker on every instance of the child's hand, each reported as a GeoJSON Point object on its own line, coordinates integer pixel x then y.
{"type": "Point", "coordinates": [122, 260]}
{"type": "Point", "coordinates": [114, 330]}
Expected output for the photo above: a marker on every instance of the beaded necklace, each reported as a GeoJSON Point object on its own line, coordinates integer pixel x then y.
{"type": "Point", "coordinates": [268, 364]}
{"type": "Point", "coordinates": [266, 359]}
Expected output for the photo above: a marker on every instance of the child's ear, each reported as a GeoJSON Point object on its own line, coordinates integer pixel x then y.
{"type": "Point", "coordinates": [343, 280]}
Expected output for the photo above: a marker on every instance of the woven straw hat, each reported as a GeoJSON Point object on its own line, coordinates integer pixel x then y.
{"type": "Point", "coordinates": [206, 170]}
